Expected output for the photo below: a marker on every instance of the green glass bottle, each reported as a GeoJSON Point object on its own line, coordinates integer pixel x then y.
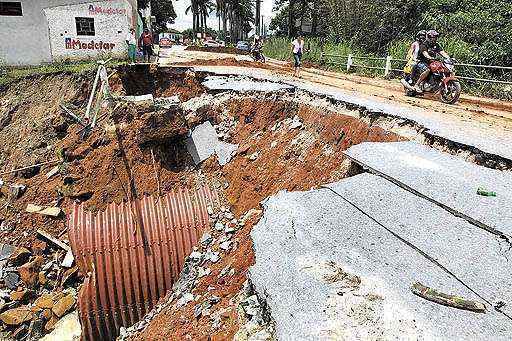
{"type": "Point", "coordinates": [481, 191]}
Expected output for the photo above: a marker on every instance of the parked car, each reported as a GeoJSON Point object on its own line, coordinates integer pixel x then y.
{"type": "Point", "coordinates": [212, 43]}
{"type": "Point", "coordinates": [165, 42]}
{"type": "Point", "coordinates": [243, 46]}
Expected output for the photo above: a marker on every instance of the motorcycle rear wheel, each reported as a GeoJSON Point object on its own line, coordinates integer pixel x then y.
{"type": "Point", "coordinates": [452, 94]}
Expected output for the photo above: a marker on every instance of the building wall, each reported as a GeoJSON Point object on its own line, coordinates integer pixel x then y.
{"type": "Point", "coordinates": [25, 40]}
{"type": "Point", "coordinates": [112, 20]}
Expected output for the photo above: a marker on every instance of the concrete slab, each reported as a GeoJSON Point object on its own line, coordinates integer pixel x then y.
{"type": "Point", "coordinates": [329, 272]}
{"type": "Point", "coordinates": [472, 133]}
{"type": "Point", "coordinates": [203, 143]}
{"type": "Point", "coordinates": [444, 178]}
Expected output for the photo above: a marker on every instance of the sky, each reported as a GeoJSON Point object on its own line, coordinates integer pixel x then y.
{"type": "Point", "coordinates": [185, 21]}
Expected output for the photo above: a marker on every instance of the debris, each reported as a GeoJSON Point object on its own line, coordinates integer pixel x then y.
{"type": "Point", "coordinates": [211, 256]}
{"type": "Point", "coordinates": [6, 251]}
{"type": "Point", "coordinates": [44, 301]}
{"type": "Point", "coordinates": [445, 299]}
{"type": "Point", "coordinates": [16, 191]}
{"type": "Point", "coordinates": [296, 123]}
{"type": "Point", "coordinates": [196, 256]}
{"type": "Point", "coordinates": [273, 144]}
{"type": "Point", "coordinates": [50, 211]}
{"type": "Point", "coordinates": [68, 260]}
{"type": "Point", "coordinates": [29, 272]}
{"type": "Point", "coordinates": [53, 241]}
{"type": "Point", "coordinates": [29, 167]}
{"type": "Point", "coordinates": [20, 256]}
{"type": "Point", "coordinates": [251, 305]}
{"type": "Point", "coordinates": [201, 272]}
{"type": "Point", "coordinates": [481, 191]}
{"type": "Point", "coordinates": [203, 143]}
{"type": "Point", "coordinates": [11, 280]}
{"type": "Point", "coordinates": [185, 299]}
{"type": "Point", "coordinates": [197, 311]}
{"type": "Point", "coordinates": [226, 245]}
{"type": "Point", "coordinates": [254, 156]}
{"type": "Point", "coordinates": [214, 299]}
{"type": "Point", "coordinates": [64, 305]}
{"type": "Point", "coordinates": [16, 316]}
{"type": "Point", "coordinates": [219, 226]}
{"type": "Point", "coordinates": [206, 239]}
{"type": "Point", "coordinates": [69, 274]}
{"type": "Point", "coordinates": [138, 99]}
{"type": "Point", "coordinates": [19, 295]}
{"type": "Point", "coordinates": [53, 172]}
{"type": "Point", "coordinates": [66, 329]}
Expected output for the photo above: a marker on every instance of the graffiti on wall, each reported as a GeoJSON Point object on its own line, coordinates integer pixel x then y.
{"type": "Point", "coordinates": [76, 44]}
{"type": "Point", "coordinates": [94, 10]}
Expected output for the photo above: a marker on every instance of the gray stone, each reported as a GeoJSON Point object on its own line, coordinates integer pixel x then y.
{"type": "Point", "coordinates": [204, 142]}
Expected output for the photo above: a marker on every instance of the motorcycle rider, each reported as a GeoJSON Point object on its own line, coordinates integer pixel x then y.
{"type": "Point", "coordinates": [428, 53]}
{"type": "Point", "coordinates": [257, 46]}
{"type": "Point", "coordinates": [412, 58]}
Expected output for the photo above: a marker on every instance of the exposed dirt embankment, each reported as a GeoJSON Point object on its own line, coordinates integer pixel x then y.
{"type": "Point", "coordinates": [135, 150]}
{"type": "Point", "coordinates": [283, 145]}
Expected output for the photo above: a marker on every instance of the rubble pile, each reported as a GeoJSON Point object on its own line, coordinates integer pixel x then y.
{"type": "Point", "coordinates": [38, 287]}
{"type": "Point", "coordinates": [201, 266]}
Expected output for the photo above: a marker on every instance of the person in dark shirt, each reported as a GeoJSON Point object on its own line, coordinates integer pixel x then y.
{"type": "Point", "coordinates": [429, 50]}
{"type": "Point", "coordinates": [146, 44]}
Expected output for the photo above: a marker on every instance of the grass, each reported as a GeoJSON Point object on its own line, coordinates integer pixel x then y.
{"type": "Point", "coordinates": [11, 74]}
{"type": "Point", "coordinates": [280, 48]}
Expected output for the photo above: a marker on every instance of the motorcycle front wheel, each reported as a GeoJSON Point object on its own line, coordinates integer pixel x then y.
{"type": "Point", "coordinates": [451, 93]}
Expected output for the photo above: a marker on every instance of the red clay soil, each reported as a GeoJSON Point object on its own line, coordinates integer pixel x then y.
{"type": "Point", "coordinates": [298, 160]}
{"type": "Point", "coordinates": [229, 50]}
{"type": "Point", "coordinates": [107, 166]}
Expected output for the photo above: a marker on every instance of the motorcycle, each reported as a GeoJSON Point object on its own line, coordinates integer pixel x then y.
{"type": "Point", "coordinates": [441, 79]}
{"type": "Point", "coordinates": [257, 55]}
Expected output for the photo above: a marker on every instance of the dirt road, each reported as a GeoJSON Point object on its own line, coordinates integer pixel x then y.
{"type": "Point", "coordinates": [490, 112]}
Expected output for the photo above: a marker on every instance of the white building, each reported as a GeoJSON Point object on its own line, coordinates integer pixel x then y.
{"type": "Point", "coordinates": [38, 31]}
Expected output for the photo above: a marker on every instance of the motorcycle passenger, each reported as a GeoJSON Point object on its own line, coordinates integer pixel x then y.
{"type": "Point", "coordinates": [412, 57]}
{"type": "Point", "coordinates": [428, 53]}
{"type": "Point", "coordinates": [256, 48]}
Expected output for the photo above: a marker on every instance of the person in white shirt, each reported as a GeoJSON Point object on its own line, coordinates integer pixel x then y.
{"type": "Point", "coordinates": [131, 41]}
{"type": "Point", "coordinates": [297, 50]}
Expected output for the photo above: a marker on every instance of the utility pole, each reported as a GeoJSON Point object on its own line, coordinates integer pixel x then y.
{"type": "Point", "coordinates": [257, 21]}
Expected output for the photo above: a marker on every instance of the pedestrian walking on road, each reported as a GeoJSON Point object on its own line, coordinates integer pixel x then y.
{"type": "Point", "coordinates": [146, 43]}
{"type": "Point", "coordinates": [131, 41]}
{"type": "Point", "coordinates": [297, 50]}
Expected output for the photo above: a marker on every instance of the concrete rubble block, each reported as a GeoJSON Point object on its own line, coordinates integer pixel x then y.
{"type": "Point", "coordinates": [11, 280]}
{"type": "Point", "coordinates": [203, 143]}
{"type": "Point", "coordinates": [64, 305]}
{"type": "Point", "coordinates": [212, 256]}
{"type": "Point", "coordinates": [20, 295]}
{"type": "Point", "coordinates": [29, 272]}
{"type": "Point", "coordinates": [20, 256]}
{"type": "Point", "coordinates": [206, 239]}
{"type": "Point", "coordinates": [16, 316]}
{"type": "Point", "coordinates": [50, 211]}
{"type": "Point", "coordinates": [44, 301]}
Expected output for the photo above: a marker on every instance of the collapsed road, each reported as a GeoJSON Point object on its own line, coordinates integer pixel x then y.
{"type": "Point", "coordinates": [236, 203]}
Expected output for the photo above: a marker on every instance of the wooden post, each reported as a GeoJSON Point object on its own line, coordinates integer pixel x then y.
{"type": "Point", "coordinates": [89, 104]}
{"type": "Point", "coordinates": [349, 62]}
{"type": "Point", "coordinates": [387, 69]}
{"type": "Point", "coordinates": [445, 299]}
